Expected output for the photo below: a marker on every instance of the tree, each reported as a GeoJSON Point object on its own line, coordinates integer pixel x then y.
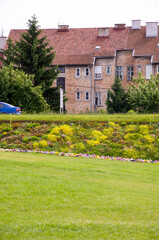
{"type": "Point", "coordinates": [143, 96]}
{"type": "Point", "coordinates": [17, 88]}
{"type": "Point", "coordinates": [33, 55]}
{"type": "Point", "coordinates": [116, 99]}
{"type": "Point", "coordinates": [52, 96]}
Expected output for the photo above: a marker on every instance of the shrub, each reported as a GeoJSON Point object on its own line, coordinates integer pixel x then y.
{"type": "Point", "coordinates": [66, 129]}
{"type": "Point", "coordinates": [93, 142]}
{"type": "Point", "coordinates": [35, 145]}
{"type": "Point", "coordinates": [25, 139]}
{"type": "Point", "coordinates": [52, 138]}
{"type": "Point", "coordinates": [43, 144]}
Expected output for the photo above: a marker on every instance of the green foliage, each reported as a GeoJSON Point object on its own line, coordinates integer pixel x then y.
{"type": "Point", "coordinates": [52, 96]}
{"type": "Point", "coordinates": [16, 88]}
{"type": "Point", "coordinates": [143, 96]}
{"type": "Point", "coordinates": [33, 55]}
{"type": "Point", "coordinates": [116, 99]}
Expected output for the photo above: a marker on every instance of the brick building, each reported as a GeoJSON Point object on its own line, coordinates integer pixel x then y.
{"type": "Point", "coordinates": [89, 59]}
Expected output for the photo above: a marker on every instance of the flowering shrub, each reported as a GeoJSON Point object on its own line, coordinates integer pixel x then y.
{"type": "Point", "coordinates": [55, 130]}
{"type": "Point", "coordinates": [35, 145]}
{"type": "Point", "coordinates": [43, 144]}
{"type": "Point", "coordinates": [93, 142]}
{"type": "Point", "coordinates": [52, 138]}
{"type": "Point", "coordinates": [66, 129]}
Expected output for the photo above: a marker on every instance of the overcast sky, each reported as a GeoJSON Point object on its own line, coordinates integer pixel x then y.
{"type": "Point", "coordinates": [14, 14]}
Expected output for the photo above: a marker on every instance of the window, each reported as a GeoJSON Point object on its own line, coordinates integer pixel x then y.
{"type": "Point", "coordinates": [87, 96]}
{"type": "Point", "coordinates": [77, 72]}
{"type": "Point", "coordinates": [157, 68]}
{"type": "Point", "coordinates": [130, 73]}
{"type": "Point", "coordinates": [108, 70]}
{"type": "Point", "coordinates": [98, 99]}
{"type": "Point", "coordinates": [61, 82]}
{"type": "Point", "coordinates": [61, 69]}
{"type": "Point", "coordinates": [119, 72]}
{"type": "Point", "coordinates": [139, 69]}
{"type": "Point", "coordinates": [77, 95]}
{"type": "Point", "coordinates": [98, 72]}
{"type": "Point", "coordinates": [148, 71]}
{"type": "Point", "coordinates": [87, 71]}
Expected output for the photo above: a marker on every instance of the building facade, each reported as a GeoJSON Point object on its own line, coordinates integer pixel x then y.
{"type": "Point", "coordinates": [90, 58]}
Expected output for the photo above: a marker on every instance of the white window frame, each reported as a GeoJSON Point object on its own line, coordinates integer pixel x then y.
{"type": "Point", "coordinates": [157, 68]}
{"type": "Point", "coordinates": [78, 72]}
{"type": "Point", "coordinates": [78, 96]}
{"type": "Point", "coordinates": [148, 71]}
{"type": "Point", "coordinates": [98, 72]}
{"type": "Point", "coordinates": [87, 73]}
{"type": "Point", "coordinates": [119, 72]}
{"type": "Point", "coordinates": [98, 97]}
{"type": "Point", "coordinates": [108, 69]}
{"type": "Point", "coordinates": [87, 98]}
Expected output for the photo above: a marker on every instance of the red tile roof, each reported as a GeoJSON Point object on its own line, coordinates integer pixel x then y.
{"type": "Point", "coordinates": [77, 45]}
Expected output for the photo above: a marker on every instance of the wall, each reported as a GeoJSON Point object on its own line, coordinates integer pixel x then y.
{"type": "Point", "coordinates": [75, 84]}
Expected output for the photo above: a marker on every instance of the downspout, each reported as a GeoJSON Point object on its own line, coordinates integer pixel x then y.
{"type": "Point", "coordinates": [91, 107]}
{"type": "Point", "coordinates": [91, 84]}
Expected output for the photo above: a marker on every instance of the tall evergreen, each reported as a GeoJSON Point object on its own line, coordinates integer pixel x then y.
{"type": "Point", "coordinates": [33, 55]}
{"type": "Point", "coordinates": [116, 99]}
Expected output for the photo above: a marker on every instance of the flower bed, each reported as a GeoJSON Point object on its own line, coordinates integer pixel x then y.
{"type": "Point", "coordinates": [132, 141]}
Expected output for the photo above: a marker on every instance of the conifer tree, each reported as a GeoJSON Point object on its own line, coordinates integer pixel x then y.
{"type": "Point", "coordinates": [33, 55]}
{"type": "Point", "coordinates": [116, 99]}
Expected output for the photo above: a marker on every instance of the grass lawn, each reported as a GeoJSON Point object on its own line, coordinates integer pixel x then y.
{"type": "Point", "coordinates": [82, 117]}
{"type": "Point", "coordinates": [52, 197]}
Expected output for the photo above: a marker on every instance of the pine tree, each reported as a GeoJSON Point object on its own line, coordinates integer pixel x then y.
{"type": "Point", "coordinates": [33, 55]}
{"type": "Point", "coordinates": [116, 99]}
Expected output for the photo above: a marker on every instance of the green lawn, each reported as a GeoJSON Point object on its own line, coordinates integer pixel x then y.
{"type": "Point", "coordinates": [52, 197]}
{"type": "Point", "coordinates": [82, 117]}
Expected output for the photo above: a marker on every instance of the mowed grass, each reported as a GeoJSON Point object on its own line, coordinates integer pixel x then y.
{"type": "Point", "coordinates": [53, 197]}
{"type": "Point", "coordinates": [48, 117]}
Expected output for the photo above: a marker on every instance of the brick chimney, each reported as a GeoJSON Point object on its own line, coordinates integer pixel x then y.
{"type": "Point", "coordinates": [103, 32]}
{"type": "Point", "coordinates": [152, 29]}
{"type": "Point", "coordinates": [119, 26]}
{"type": "Point", "coordinates": [63, 28]}
{"type": "Point", "coordinates": [136, 24]}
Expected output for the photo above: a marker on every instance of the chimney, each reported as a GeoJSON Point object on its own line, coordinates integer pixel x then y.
{"type": "Point", "coordinates": [63, 28]}
{"type": "Point", "coordinates": [2, 42]}
{"type": "Point", "coordinates": [136, 24]}
{"type": "Point", "coordinates": [119, 26]}
{"type": "Point", "coordinates": [151, 29]}
{"type": "Point", "coordinates": [103, 32]}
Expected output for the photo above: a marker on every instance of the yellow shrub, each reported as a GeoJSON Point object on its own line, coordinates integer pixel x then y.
{"type": "Point", "coordinates": [35, 145]}
{"type": "Point", "coordinates": [108, 131]}
{"type": "Point", "coordinates": [93, 142]}
{"type": "Point", "coordinates": [102, 138]}
{"type": "Point", "coordinates": [66, 129]}
{"type": "Point", "coordinates": [111, 124]}
{"type": "Point", "coordinates": [130, 153]}
{"type": "Point", "coordinates": [55, 130]}
{"type": "Point", "coordinates": [52, 138]}
{"type": "Point", "coordinates": [96, 133]}
{"type": "Point", "coordinates": [43, 144]}
{"type": "Point", "coordinates": [131, 128]}
{"type": "Point", "coordinates": [144, 129]}
{"type": "Point", "coordinates": [148, 138]}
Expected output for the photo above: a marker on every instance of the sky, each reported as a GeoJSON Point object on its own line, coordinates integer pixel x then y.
{"type": "Point", "coordinates": [14, 14]}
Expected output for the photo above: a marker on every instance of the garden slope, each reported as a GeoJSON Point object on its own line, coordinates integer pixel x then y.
{"type": "Point", "coordinates": [106, 139]}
